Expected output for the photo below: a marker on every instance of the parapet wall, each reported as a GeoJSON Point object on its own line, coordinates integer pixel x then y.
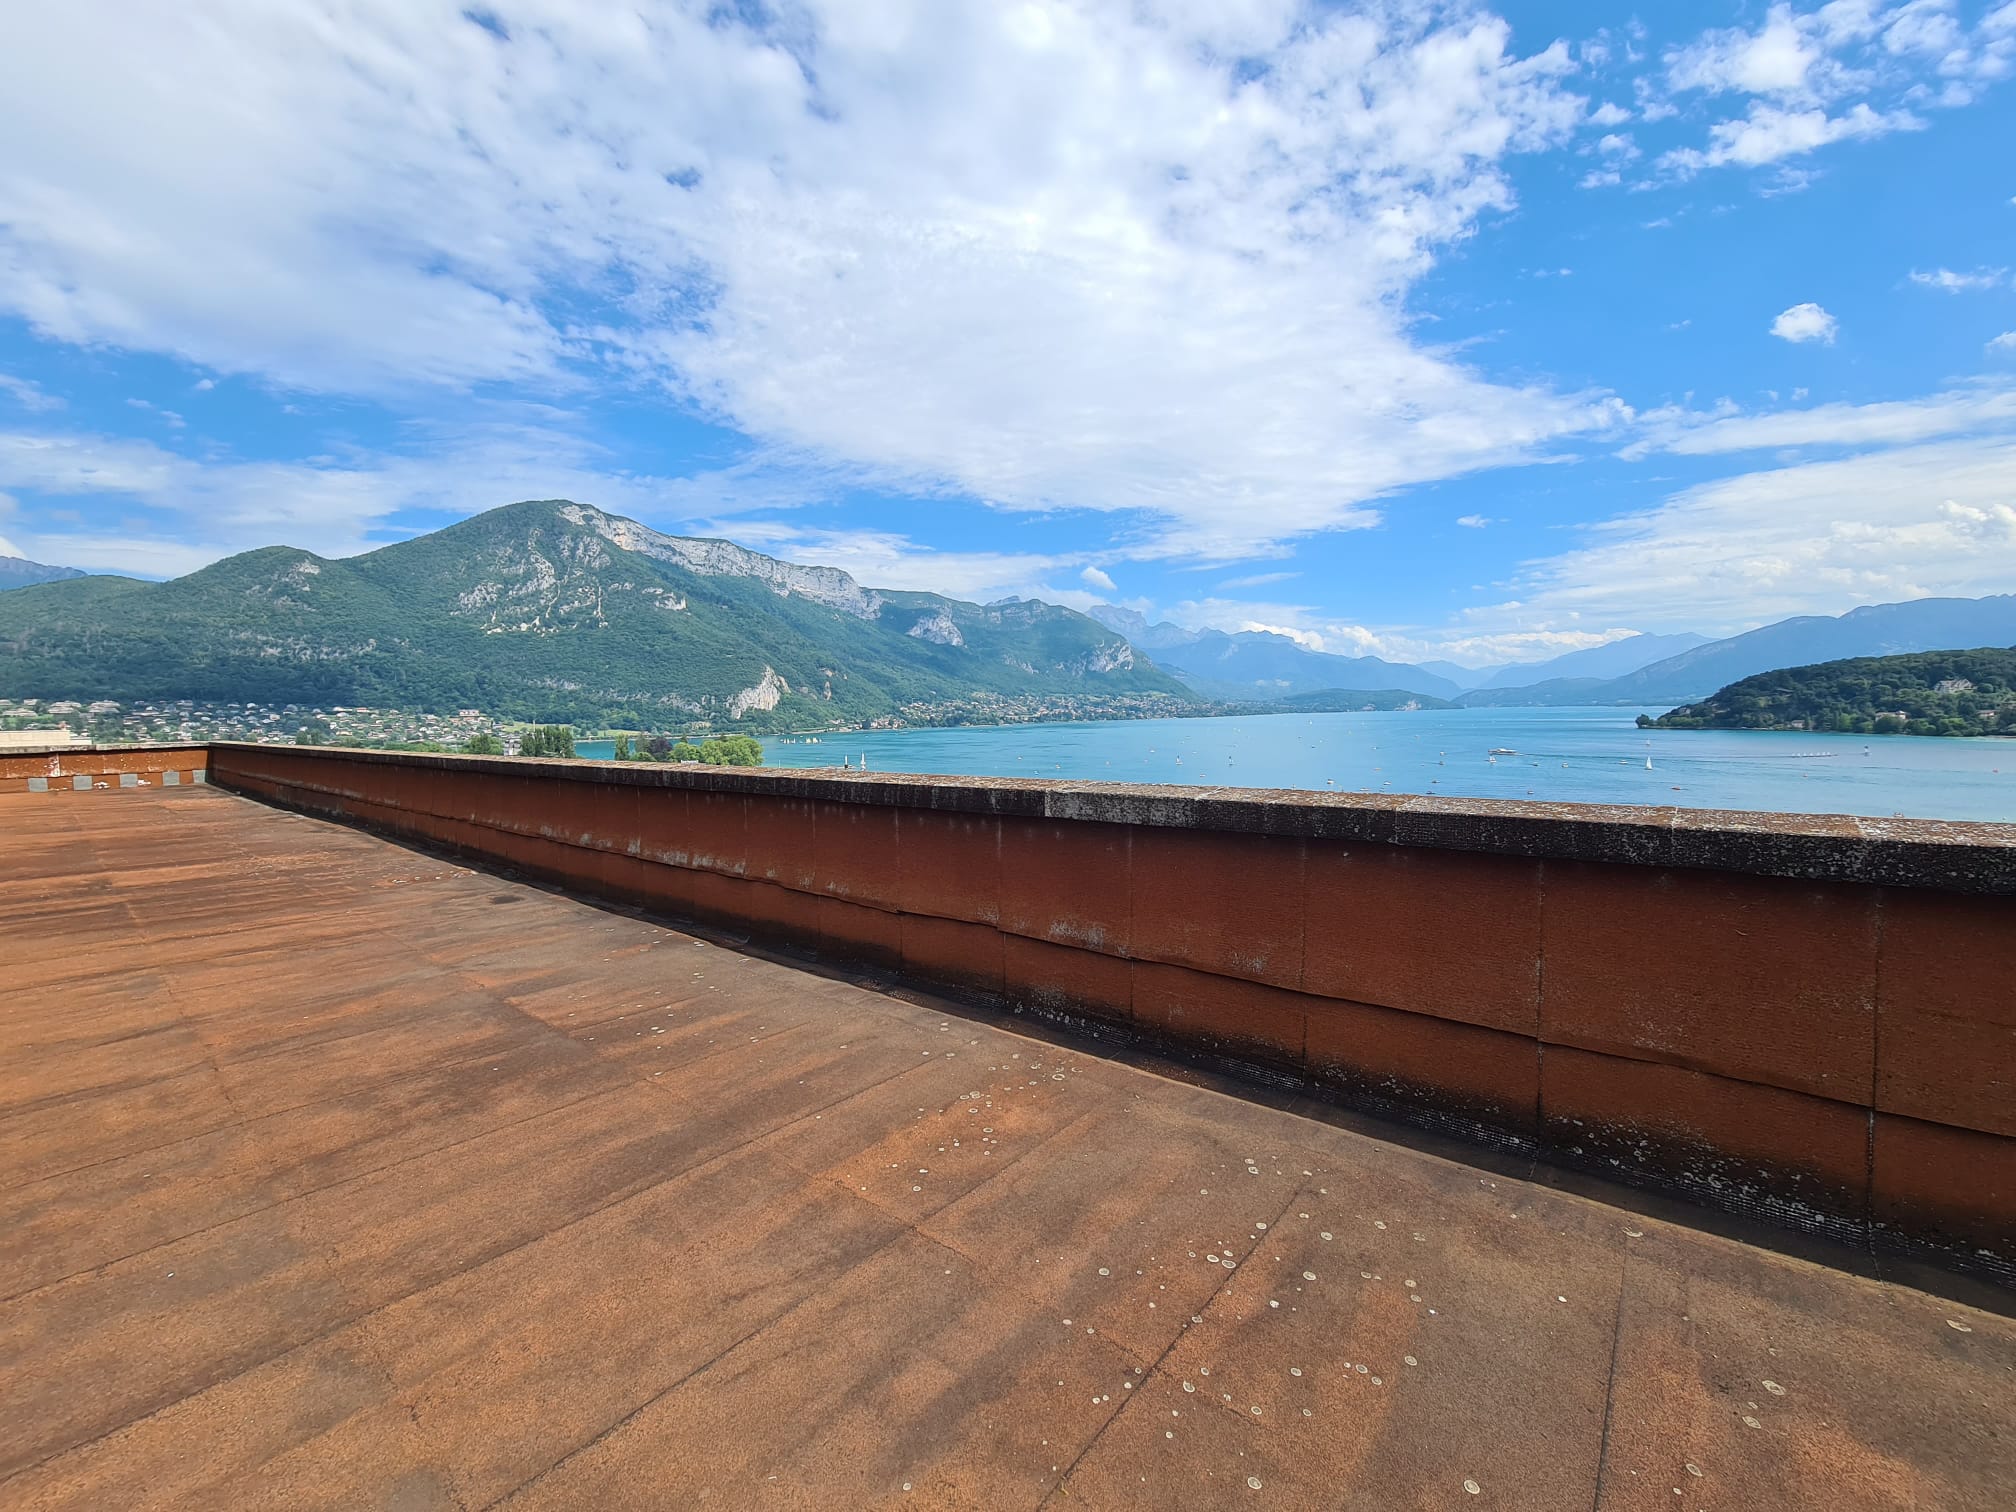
{"type": "Point", "coordinates": [1811, 1019]}
{"type": "Point", "coordinates": [95, 769]}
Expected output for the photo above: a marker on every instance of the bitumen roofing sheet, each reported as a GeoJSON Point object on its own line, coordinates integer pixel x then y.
{"type": "Point", "coordinates": [333, 1174]}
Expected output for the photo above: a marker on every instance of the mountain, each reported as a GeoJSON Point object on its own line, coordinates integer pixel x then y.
{"type": "Point", "coordinates": [1555, 692]}
{"type": "Point", "coordinates": [1927, 693]}
{"type": "Point", "coordinates": [19, 572]}
{"type": "Point", "coordinates": [1463, 677]}
{"type": "Point", "coordinates": [1613, 659]}
{"type": "Point", "coordinates": [552, 610]}
{"type": "Point", "coordinates": [1260, 664]}
{"type": "Point", "coordinates": [1140, 634]}
{"type": "Point", "coordinates": [1875, 630]}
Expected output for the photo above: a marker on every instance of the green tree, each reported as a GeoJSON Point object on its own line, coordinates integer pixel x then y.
{"type": "Point", "coordinates": [483, 745]}
{"type": "Point", "coordinates": [685, 751]}
{"type": "Point", "coordinates": [622, 751]}
{"type": "Point", "coordinates": [732, 750]}
{"type": "Point", "coordinates": [547, 740]}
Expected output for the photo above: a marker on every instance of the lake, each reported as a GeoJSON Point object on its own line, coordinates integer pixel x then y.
{"type": "Point", "coordinates": [1562, 755]}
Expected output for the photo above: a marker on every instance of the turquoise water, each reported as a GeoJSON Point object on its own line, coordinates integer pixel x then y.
{"type": "Point", "coordinates": [1564, 755]}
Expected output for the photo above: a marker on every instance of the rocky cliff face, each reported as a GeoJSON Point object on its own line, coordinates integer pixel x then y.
{"type": "Point", "coordinates": [938, 629]}
{"type": "Point", "coordinates": [822, 585]}
{"type": "Point", "coordinates": [766, 695]}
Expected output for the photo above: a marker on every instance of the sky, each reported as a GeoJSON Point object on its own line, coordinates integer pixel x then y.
{"type": "Point", "coordinates": [1412, 328]}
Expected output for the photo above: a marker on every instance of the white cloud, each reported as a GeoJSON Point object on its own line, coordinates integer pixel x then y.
{"type": "Point", "coordinates": [1959, 283]}
{"type": "Point", "coordinates": [2006, 342]}
{"type": "Point", "coordinates": [1782, 57]}
{"type": "Point", "coordinates": [1093, 577]}
{"type": "Point", "coordinates": [1834, 72]}
{"type": "Point", "coordinates": [1890, 423]}
{"type": "Point", "coordinates": [29, 396]}
{"type": "Point", "coordinates": [1473, 521]}
{"type": "Point", "coordinates": [1609, 114]}
{"type": "Point", "coordinates": [1769, 134]}
{"type": "Point", "coordinates": [1805, 322]}
{"type": "Point", "coordinates": [958, 248]}
{"type": "Point", "coordinates": [168, 416]}
{"type": "Point", "coordinates": [1509, 636]}
{"type": "Point", "coordinates": [9, 549]}
{"type": "Point", "coordinates": [178, 513]}
{"type": "Point", "coordinates": [1812, 538]}
{"type": "Point", "coordinates": [886, 559]}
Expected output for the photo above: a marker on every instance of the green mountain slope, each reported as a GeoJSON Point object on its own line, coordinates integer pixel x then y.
{"type": "Point", "coordinates": [551, 610]}
{"type": "Point", "coordinates": [1926, 693]}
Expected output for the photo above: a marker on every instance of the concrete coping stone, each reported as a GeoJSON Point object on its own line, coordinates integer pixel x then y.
{"type": "Point", "coordinates": [1940, 854]}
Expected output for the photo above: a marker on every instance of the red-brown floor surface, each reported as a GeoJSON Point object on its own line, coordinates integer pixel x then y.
{"type": "Point", "coordinates": [336, 1175]}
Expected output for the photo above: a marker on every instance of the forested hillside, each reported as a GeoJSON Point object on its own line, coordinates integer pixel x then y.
{"type": "Point", "coordinates": [1926, 693]}
{"type": "Point", "coordinates": [555, 611]}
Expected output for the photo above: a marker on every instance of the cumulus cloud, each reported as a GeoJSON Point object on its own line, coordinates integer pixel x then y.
{"type": "Point", "coordinates": [1769, 133]}
{"type": "Point", "coordinates": [2006, 342]}
{"type": "Point", "coordinates": [1048, 255]}
{"type": "Point", "coordinates": [889, 559]}
{"type": "Point", "coordinates": [178, 512]}
{"type": "Point", "coordinates": [1473, 521]}
{"type": "Point", "coordinates": [1093, 577]}
{"type": "Point", "coordinates": [1829, 73]}
{"type": "Point", "coordinates": [1485, 637]}
{"type": "Point", "coordinates": [1805, 322]}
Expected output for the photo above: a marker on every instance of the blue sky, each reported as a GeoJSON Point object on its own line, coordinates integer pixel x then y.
{"type": "Point", "coordinates": [1430, 329]}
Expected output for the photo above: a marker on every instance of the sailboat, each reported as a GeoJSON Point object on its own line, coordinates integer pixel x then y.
{"type": "Point", "coordinates": [1648, 763]}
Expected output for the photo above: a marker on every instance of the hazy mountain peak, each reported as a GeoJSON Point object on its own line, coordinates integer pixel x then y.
{"type": "Point", "coordinates": [19, 572]}
{"type": "Point", "coordinates": [1134, 625]}
{"type": "Point", "coordinates": [1618, 658]}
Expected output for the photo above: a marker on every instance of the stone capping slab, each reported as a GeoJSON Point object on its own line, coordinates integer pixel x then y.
{"type": "Point", "coordinates": [1941, 854]}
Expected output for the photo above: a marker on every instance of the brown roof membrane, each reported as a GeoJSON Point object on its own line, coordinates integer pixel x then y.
{"type": "Point", "coordinates": [334, 1174]}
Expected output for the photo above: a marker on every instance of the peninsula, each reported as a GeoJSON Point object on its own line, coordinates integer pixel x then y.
{"type": "Point", "coordinates": [1926, 693]}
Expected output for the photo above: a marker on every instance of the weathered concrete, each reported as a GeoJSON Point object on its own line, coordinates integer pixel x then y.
{"type": "Point", "coordinates": [1791, 1042]}
{"type": "Point", "coordinates": [336, 1175]}
{"type": "Point", "coordinates": [1942, 854]}
{"type": "Point", "coordinates": [60, 770]}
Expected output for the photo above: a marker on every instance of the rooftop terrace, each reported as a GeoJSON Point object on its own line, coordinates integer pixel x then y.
{"type": "Point", "coordinates": [337, 1174]}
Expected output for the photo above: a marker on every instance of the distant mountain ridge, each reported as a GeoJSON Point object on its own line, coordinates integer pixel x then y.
{"type": "Point", "coordinates": [1618, 658]}
{"type": "Point", "coordinates": [553, 610]}
{"type": "Point", "coordinates": [1929, 624]}
{"type": "Point", "coordinates": [1259, 664]}
{"type": "Point", "coordinates": [19, 572]}
{"type": "Point", "coordinates": [1253, 664]}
